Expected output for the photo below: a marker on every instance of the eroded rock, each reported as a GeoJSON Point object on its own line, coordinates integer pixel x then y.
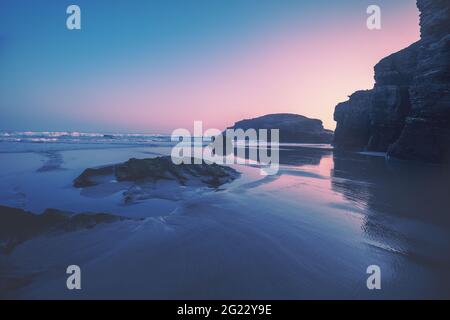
{"type": "Point", "coordinates": [160, 168]}
{"type": "Point", "coordinates": [407, 113]}
{"type": "Point", "coordinates": [18, 226]}
{"type": "Point", "coordinates": [293, 128]}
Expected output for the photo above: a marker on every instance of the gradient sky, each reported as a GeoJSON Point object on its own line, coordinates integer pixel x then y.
{"type": "Point", "coordinates": [152, 66]}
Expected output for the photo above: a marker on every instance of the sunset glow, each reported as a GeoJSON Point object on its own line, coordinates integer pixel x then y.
{"type": "Point", "coordinates": [302, 64]}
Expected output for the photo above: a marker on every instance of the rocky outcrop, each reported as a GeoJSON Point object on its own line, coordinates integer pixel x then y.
{"type": "Point", "coordinates": [160, 168]}
{"type": "Point", "coordinates": [407, 113]}
{"type": "Point", "coordinates": [18, 226]}
{"type": "Point", "coordinates": [90, 176]}
{"type": "Point", "coordinates": [293, 128]}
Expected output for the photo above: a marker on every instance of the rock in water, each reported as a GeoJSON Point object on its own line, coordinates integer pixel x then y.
{"type": "Point", "coordinates": [160, 168]}
{"type": "Point", "coordinates": [407, 113]}
{"type": "Point", "coordinates": [293, 128]}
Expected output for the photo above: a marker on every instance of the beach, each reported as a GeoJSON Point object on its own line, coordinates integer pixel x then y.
{"type": "Point", "coordinates": [310, 231]}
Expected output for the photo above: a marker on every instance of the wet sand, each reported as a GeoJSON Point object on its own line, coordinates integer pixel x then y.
{"type": "Point", "coordinates": [309, 232]}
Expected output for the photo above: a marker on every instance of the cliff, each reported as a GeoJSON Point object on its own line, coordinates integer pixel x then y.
{"type": "Point", "coordinates": [407, 113]}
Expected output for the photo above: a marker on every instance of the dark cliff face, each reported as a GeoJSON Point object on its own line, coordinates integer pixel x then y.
{"type": "Point", "coordinates": [293, 128]}
{"type": "Point", "coordinates": [407, 113]}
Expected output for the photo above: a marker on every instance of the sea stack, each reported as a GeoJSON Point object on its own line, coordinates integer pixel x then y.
{"type": "Point", "coordinates": [293, 128]}
{"type": "Point", "coordinates": [407, 113]}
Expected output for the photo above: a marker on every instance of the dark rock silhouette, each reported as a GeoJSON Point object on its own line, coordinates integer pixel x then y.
{"type": "Point", "coordinates": [160, 168]}
{"type": "Point", "coordinates": [18, 226]}
{"type": "Point", "coordinates": [89, 176]}
{"type": "Point", "coordinates": [293, 128]}
{"type": "Point", "coordinates": [407, 113]}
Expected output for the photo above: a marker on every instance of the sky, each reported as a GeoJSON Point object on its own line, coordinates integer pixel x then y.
{"type": "Point", "coordinates": [156, 65]}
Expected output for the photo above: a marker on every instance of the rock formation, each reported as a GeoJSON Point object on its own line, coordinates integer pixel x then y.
{"type": "Point", "coordinates": [160, 168]}
{"type": "Point", "coordinates": [18, 226]}
{"type": "Point", "coordinates": [293, 128]}
{"type": "Point", "coordinates": [407, 113]}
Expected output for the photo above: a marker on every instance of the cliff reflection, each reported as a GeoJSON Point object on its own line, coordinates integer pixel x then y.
{"type": "Point", "coordinates": [415, 191]}
{"type": "Point", "coordinates": [295, 155]}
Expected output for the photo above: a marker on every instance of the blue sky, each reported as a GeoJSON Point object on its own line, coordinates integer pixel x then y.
{"type": "Point", "coordinates": [55, 79]}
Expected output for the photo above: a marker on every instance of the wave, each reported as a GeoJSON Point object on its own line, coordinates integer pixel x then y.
{"type": "Point", "coordinates": [80, 137]}
{"type": "Point", "coordinates": [34, 141]}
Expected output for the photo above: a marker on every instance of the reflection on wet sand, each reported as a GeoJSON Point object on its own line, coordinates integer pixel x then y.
{"type": "Point", "coordinates": [396, 188]}
{"type": "Point", "coordinates": [310, 231]}
{"type": "Point", "coordinates": [294, 155]}
{"type": "Point", "coordinates": [405, 207]}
